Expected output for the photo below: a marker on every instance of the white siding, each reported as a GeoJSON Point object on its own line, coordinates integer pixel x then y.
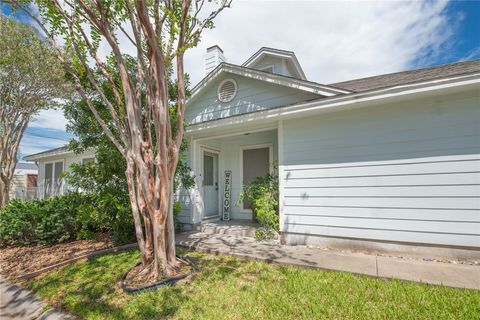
{"type": "Point", "coordinates": [407, 172]}
{"type": "Point", "coordinates": [252, 95]}
{"type": "Point", "coordinates": [278, 64]}
{"type": "Point", "coordinates": [68, 159]}
{"type": "Point", "coordinates": [229, 149]}
{"type": "Point", "coordinates": [18, 186]}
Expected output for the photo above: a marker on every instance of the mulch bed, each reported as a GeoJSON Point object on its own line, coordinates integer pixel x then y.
{"type": "Point", "coordinates": [139, 278]}
{"type": "Point", "coordinates": [17, 261]}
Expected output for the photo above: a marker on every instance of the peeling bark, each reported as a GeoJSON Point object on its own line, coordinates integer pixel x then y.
{"type": "Point", "coordinates": [144, 133]}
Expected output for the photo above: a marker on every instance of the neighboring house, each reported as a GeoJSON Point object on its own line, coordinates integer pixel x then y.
{"type": "Point", "coordinates": [24, 184]}
{"type": "Point", "coordinates": [51, 165]}
{"type": "Point", "coordinates": [381, 162]}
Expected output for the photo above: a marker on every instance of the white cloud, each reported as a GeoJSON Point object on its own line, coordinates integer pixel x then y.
{"type": "Point", "coordinates": [50, 119]}
{"type": "Point", "coordinates": [333, 41]}
{"type": "Point", "coordinates": [31, 144]}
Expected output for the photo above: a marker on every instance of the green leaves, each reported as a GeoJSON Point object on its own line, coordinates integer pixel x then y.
{"type": "Point", "coordinates": [263, 195]}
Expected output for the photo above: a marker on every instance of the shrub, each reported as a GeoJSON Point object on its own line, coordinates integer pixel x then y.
{"type": "Point", "coordinates": [263, 195]}
{"type": "Point", "coordinates": [67, 217]}
{"type": "Point", "coordinates": [43, 221]}
{"type": "Point", "coordinates": [107, 212]}
{"type": "Point", "coordinates": [177, 209]}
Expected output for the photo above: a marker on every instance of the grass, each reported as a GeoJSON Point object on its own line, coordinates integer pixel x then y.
{"type": "Point", "coordinates": [230, 288]}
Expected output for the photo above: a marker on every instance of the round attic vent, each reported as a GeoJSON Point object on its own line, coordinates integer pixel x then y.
{"type": "Point", "coordinates": [227, 90]}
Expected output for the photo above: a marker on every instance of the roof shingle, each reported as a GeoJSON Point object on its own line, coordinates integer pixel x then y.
{"type": "Point", "coordinates": [412, 76]}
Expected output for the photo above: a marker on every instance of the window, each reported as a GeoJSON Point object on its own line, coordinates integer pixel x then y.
{"type": "Point", "coordinates": [53, 181]}
{"type": "Point", "coordinates": [256, 163]}
{"type": "Point", "coordinates": [87, 160]}
{"type": "Point", "coordinates": [269, 69]}
{"type": "Point", "coordinates": [227, 90]}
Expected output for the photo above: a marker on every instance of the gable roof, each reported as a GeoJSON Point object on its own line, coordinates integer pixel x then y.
{"type": "Point", "coordinates": [26, 167]}
{"type": "Point", "coordinates": [411, 76]}
{"type": "Point", "coordinates": [52, 152]}
{"type": "Point", "coordinates": [276, 53]}
{"type": "Point", "coordinates": [304, 85]}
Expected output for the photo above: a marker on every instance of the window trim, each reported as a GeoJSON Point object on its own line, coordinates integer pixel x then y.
{"type": "Point", "coordinates": [270, 167]}
{"type": "Point", "coordinates": [52, 162]}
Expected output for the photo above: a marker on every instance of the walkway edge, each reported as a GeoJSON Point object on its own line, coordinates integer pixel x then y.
{"type": "Point", "coordinates": [429, 272]}
{"type": "Point", "coordinates": [19, 303]}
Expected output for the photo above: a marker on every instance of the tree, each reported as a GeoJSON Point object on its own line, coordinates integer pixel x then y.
{"type": "Point", "coordinates": [160, 32]}
{"type": "Point", "coordinates": [31, 79]}
{"type": "Point", "coordinates": [105, 176]}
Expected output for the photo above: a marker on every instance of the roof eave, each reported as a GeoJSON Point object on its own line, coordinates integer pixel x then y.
{"type": "Point", "coordinates": [338, 102]}
{"type": "Point", "coordinates": [303, 85]}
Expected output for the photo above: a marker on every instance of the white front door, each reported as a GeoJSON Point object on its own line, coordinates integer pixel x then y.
{"type": "Point", "coordinates": [210, 183]}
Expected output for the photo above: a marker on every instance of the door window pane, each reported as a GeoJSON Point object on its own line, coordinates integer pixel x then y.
{"type": "Point", "coordinates": [48, 179]}
{"type": "Point", "coordinates": [207, 170]}
{"type": "Point", "coordinates": [58, 170]}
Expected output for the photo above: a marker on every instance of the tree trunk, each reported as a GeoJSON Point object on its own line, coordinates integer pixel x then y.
{"type": "Point", "coordinates": [4, 192]}
{"type": "Point", "coordinates": [155, 234]}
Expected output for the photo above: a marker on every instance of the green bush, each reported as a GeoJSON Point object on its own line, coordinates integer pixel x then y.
{"type": "Point", "coordinates": [263, 195]}
{"type": "Point", "coordinates": [107, 212]}
{"type": "Point", "coordinates": [177, 209]}
{"type": "Point", "coordinates": [67, 217]}
{"type": "Point", "coordinates": [43, 221]}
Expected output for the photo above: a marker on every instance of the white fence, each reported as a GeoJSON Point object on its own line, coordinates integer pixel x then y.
{"type": "Point", "coordinates": [42, 191]}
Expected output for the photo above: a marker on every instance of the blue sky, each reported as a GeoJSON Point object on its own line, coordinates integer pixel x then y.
{"type": "Point", "coordinates": [334, 41]}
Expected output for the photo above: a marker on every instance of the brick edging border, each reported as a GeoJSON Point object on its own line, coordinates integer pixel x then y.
{"type": "Point", "coordinates": [70, 261]}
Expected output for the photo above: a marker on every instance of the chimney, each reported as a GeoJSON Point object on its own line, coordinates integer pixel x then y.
{"type": "Point", "coordinates": [213, 58]}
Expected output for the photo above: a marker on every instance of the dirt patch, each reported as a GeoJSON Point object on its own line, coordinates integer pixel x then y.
{"type": "Point", "coordinates": [17, 261]}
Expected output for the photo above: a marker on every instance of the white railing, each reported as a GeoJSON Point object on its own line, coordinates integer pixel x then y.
{"type": "Point", "coordinates": [44, 190]}
{"type": "Point", "coordinates": [23, 193]}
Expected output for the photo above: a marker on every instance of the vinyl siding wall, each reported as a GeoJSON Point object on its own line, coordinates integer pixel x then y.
{"type": "Point", "coordinates": [405, 172]}
{"type": "Point", "coordinates": [252, 95]}
{"type": "Point", "coordinates": [68, 160]}
{"type": "Point", "coordinates": [229, 149]}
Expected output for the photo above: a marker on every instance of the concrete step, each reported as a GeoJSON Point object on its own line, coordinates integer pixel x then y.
{"type": "Point", "coordinates": [242, 229]}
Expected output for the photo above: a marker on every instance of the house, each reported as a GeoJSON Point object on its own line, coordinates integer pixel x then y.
{"type": "Point", "coordinates": [389, 163]}
{"type": "Point", "coordinates": [51, 164]}
{"type": "Point", "coordinates": [24, 183]}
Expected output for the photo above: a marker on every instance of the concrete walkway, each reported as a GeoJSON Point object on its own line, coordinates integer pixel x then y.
{"type": "Point", "coordinates": [17, 303]}
{"type": "Point", "coordinates": [454, 275]}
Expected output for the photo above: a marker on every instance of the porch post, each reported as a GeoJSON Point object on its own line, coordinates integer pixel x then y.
{"type": "Point", "coordinates": [280, 142]}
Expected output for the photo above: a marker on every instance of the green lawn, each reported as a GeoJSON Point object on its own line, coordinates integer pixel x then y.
{"type": "Point", "coordinates": [230, 288]}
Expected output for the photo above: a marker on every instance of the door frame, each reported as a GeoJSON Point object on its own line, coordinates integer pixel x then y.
{"type": "Point", "coordinates": [203, 149]}
{"type": "Point", "coordinates": [270, 164]}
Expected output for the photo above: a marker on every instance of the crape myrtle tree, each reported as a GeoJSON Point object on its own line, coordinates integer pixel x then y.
{"type": "Point", "coordinates": [160, 32]}
{"type": "Point", "coordinates": [31, 79]}
{"type": "Point", "coordinates": [105, 177]}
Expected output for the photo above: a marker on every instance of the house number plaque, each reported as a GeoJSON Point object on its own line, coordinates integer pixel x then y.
{"type": "Point", "coordinates": [227, 196]}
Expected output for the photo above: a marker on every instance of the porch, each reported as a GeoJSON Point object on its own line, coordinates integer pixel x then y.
{"type": "Point", "coordinates": [243, 155]}
{"type": "Point", "coordinates": [242, 228]}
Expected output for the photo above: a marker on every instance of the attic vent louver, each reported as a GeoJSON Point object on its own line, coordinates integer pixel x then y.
{"type": "Point", "coordinates": [227, 90]}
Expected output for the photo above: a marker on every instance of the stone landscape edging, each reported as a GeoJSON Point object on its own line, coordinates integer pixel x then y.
{"type": "Point", "coordinates": [72, 260]}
